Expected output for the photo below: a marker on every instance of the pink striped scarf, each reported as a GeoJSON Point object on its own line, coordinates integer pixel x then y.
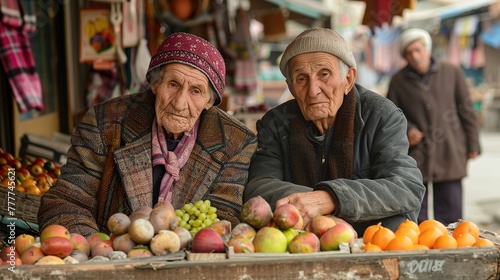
{"type": "Point", "coordinates": [172, 160]}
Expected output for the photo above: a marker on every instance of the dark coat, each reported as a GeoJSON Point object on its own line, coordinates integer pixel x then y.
{"type": "Point", "coordinates": [386, 181]}
{"type": "Point", "coordinates": [109, 166]}
{"type": "Point", "coordinates": [441, 107]}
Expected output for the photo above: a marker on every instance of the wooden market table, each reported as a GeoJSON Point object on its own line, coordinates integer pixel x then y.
{"type": "Point", "coordinates": [466, 263]}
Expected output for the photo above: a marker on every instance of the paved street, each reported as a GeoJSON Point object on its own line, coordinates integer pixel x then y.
{"type": "Point", "coordinates": [482, 185]}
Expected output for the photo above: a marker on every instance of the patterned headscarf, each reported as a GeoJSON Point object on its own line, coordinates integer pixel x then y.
{"type": "Point", "coordinates": [194, 51]}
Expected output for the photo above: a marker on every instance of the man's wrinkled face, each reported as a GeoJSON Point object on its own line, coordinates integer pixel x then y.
{"type": "Point", "coordinates": [317, 85]}
{"type": "Point", "coordinates": [181, 95]}
{"type": "Point", "coordinates": [418, 57]}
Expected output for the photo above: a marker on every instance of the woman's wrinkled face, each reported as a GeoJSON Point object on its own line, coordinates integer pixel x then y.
{"type": "Point", "coordinates": [418, 57]}
{"type": "Point", "coordinates": [317, 85]}
{"type": "Point", "coordinates": [182, 93]}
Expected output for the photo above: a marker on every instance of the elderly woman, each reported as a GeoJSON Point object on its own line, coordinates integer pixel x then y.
{"type": "Point", "coordinates": [336, 148]}
{"type": "Point", "coordinates": [166, 143]}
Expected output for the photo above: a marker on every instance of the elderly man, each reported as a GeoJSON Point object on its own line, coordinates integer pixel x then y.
{"type": "Point", "coordinates": [442, 127]}
{"type": "Point", "coordinates": [336, 148]}
{"type": "Point", "coordinates": [166, 143]}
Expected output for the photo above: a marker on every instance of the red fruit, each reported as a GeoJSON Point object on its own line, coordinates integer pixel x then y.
{"type": "Point", "coordinates": [270, 240]}
{"type": "Point", "coordinates": [54, 230]}
{"type": "Point", "coordinates": [7, 156]}
{"type": "Point", "coordinates": [320, 224]}
{"type": "Point", "coordinates": [256, 212]}
{"type": "Point", "coordinates": [286, 216]}
{"type": "Point", "coordinates": [139, 252]}
{"type": "Point", "coordinates": [96, 238]}
{"type": "Point", "coordinates": [57, 246]}
{"type": "Point", "coordinates": [207, 240]}
{"type": "Point", "coordinates": [49, 165]}
{"type": "Point", "coordinates": [9, 254]}
{"type": "Point", "coordinates": [221, 227]}
{"type": "Point", "coordinates": [304, 242]}
{"type": "Point", "coordinates": [31, 255]}
{"type": "Point", "coordinates": [244, 229]}
{"type": "Point", "coordinates": [15, 163]}
{"type": "Point", "coordinates": [241, 244]}
{"type": "Point", "coordinates": [40, 161]}
{"type": "Point", "coordinates": [80, 243]}
{"type": "Point", "coordinates": [103, 248]}
{"type": "Point", "coordinates": [331, 239]}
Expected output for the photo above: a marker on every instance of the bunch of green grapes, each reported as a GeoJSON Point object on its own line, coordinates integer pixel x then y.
{"type": "Point", "coordinates": [194, 217]}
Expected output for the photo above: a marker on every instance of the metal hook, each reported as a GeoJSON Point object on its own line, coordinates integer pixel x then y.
{"type": "Point", "coordinates": [116, 19]}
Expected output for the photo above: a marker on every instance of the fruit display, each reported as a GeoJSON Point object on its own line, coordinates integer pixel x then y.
{"type": "Point", "coordinates": [30, 175]}
{"type": "Point", "coordinates": [428, 235]}
{"type": "Point", "coordinates": [157, 231]}
{"type": "Point", "coordinates": [263, 231]}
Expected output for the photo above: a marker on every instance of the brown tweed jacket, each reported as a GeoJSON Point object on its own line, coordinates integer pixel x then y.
{"type": "Point", "coordinates": [109, 166]}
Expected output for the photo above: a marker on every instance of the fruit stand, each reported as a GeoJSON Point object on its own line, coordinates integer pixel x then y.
{"type": "Point", "coordinates": [464, 263]}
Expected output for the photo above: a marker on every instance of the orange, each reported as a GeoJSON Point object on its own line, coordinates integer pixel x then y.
{"type": "Point", "coordinates": [419, 247]}
{"type": "Point", "coordinates": [429, 236]}
{"type": "Point", "coordinates": [483, 242]}
{"type": "Point", "coordinates": [400, 243]}
{"type": "Point", "coordinates": [432, 223]}
{"type": "Point", "coordinates": [407, 231]}
{"type": "Point", "coordinates": [466, 227]}
{"type": "Point", "coordinates": [410, 224]}
{"type": "Point", "coordinates": [372, 248]}
{"type": "Point", "coordinates": [445, 241]}
{"type": "Point", "coordinates": [369, 231]}
{"type": "Point", "coordinates": [382, 237]}
{"type": "Point", "coordinates": [465, 240]}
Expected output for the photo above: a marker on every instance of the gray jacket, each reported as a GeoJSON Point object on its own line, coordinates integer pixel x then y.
{"type": "Point", "coordinates": [386, 180]}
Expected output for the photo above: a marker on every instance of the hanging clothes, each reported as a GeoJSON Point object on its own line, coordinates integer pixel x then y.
{"type": "Point", "coordinates": [11, 13]}
{"type": "Point", "coordinates": [17, 58]}
{"type": "Point", "coordinates": [102, 85]}
{"type": "Point", "coordinates": [28, 10]}
{"type": "Point", "coordinates": [386, 58]}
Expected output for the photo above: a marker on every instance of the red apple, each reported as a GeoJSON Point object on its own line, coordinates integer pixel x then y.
{"type": "Point", "coordinates": [7, 156]}
{"type": "Point", "coordinates": [24, 171]}
{"type": "Point", "coordinates": [36, 169]}
{"type": "Point", "coordinates": [15, 163]}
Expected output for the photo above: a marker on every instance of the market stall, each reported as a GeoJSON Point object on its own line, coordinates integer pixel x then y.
{"type": "Point", "coordinates": [480, 263]}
